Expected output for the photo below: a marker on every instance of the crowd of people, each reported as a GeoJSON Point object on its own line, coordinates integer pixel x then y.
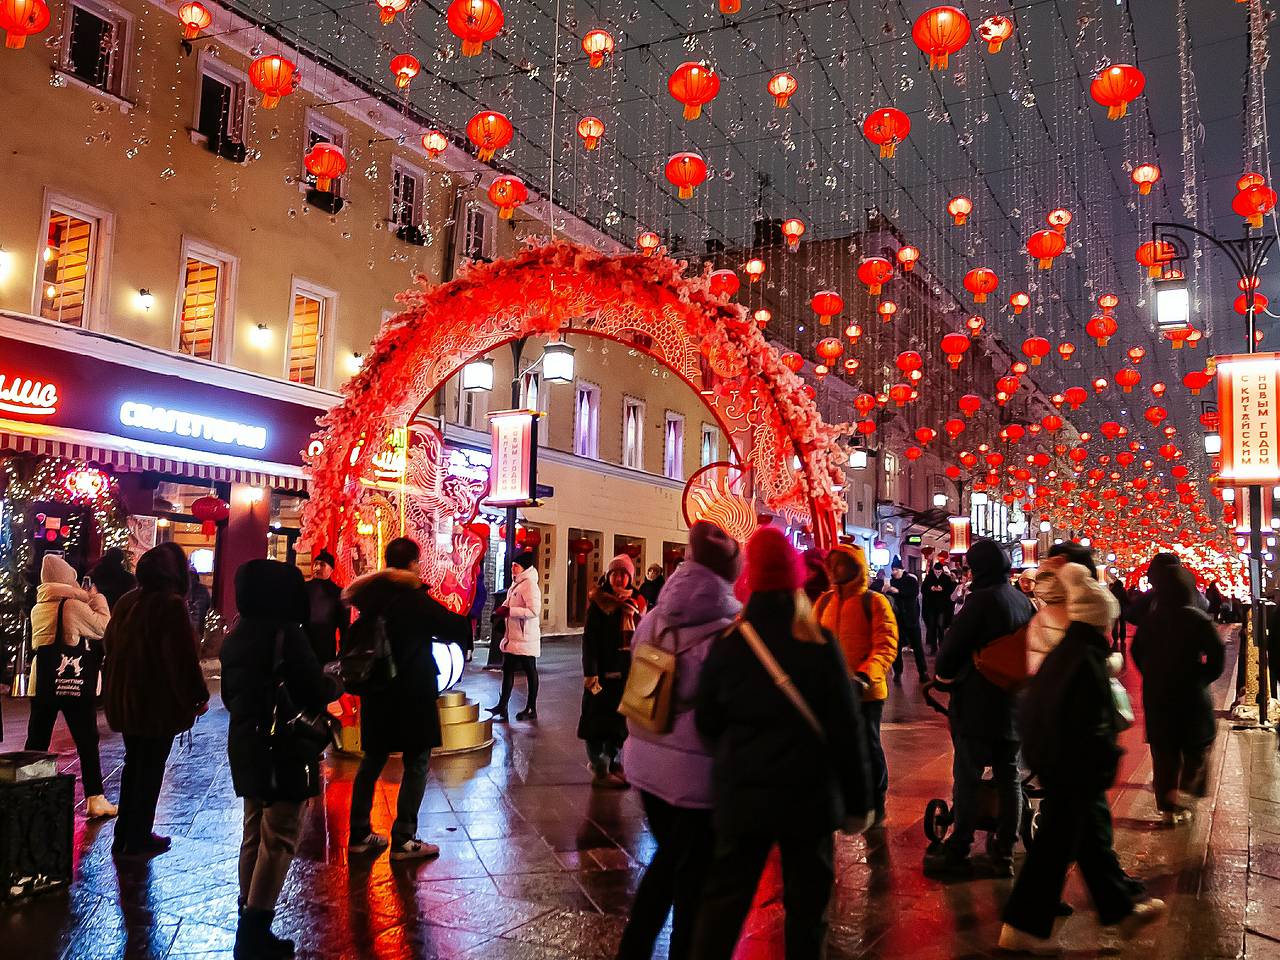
{"type": "Point", "coordinates": [767, 678]}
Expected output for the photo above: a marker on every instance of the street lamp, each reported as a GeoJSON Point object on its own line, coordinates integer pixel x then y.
{"type": "Point", "coordinates": [1173, 302]}
{"type": "Point", "coordinates": [939, 499]}
{"type": "Point", "coordinates": [478, 375]}
{"type": "Point", "coordinates": [557, 362]}
{"type": "Point", "coordinates": [1212, 444]}
{"type": "Point", "coordinates": [858, 459]}
{"type": "Point", "coordinates": [978, 498]}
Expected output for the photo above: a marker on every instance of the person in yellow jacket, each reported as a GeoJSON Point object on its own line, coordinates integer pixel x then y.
{"type": "Point", "coordinates": [863, 622]}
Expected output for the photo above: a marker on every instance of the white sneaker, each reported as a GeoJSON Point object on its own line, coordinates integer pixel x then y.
{"type": "Point", "coordinates": [1145, 912]}
{"type": "Point", "coordinates": [1013, 940]}
{"type": "Point", "coordinates": [373, 842]}
{"type": "Point", "coordinates": [414, 850]}
{"type": "Point", "coordinates": [99, 806]}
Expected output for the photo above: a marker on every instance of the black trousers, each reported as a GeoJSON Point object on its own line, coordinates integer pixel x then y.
{"type": "Point", "coordinates": [909, 636]}
{"type": "Point", "coordinates": [1176, 768]}
{"type": "Point", "coordinates": [673, 881]}
{"type": "Point", "coordinates": [935, 625]}
{"type": "Point", "coordinates": [511, 663]}
{"type": "Point", "coordinates": [807, 878]}
{"type": "Point", "coordinates": [140, 783]}
{"type": "Point", "coordinates": [1075, 826]}
{"type": "Point", "coordinates": [82, 722]}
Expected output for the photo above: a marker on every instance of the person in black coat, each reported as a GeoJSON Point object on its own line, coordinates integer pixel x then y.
{"type": "Point", "coordinates": [903, 589]}
{"type": "Point", "coordinates": [1119, 632]}
{"type": "Point", "coordinates": [981, 713]}
{"type": "Point", "coordinates": [775, 779]}
{"type": "Point", "coordinates": [327, 617]}
{"type": "Point", "coordinates": [935, 601]}
{"type": "Point", "coordinates": [402, 718]}
{"type": "Point", "coordinates": [1070, 725]}
{"type": "Point", "coordinates": [110, 576]}
{"type": "Point", "coordinates": [268, 647]}
{"type": "Point", "coordinates": [1213, 596]}
{"type": "Point", "coordinates": [1179, 654]}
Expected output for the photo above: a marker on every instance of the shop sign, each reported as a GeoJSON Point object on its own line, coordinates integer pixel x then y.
{"type": "Point", "coordinates": [513, 470]}
{"type": "Point", "coordinates": [183, 423]}
{"type": "Point", "coordinates": [1248, 393]}
{"type": "Point", "coordinates": [23, 395]}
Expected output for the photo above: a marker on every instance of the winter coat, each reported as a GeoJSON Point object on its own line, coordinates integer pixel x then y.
{"type": "Point", "coordinates": [606, 654]}
{"type": "Point", "coordinates": [404, 716]}
{"type": "Point", "coordinates": [772, 773]}
{"type": "Point", "coordinates": [524, 615]}
{"type": "Point", "coordinates": [695, 607]}
{"type": "Point", "coordinates": [994, 608]}
{"type": "Point", "coordinates": [869, 645]}
{"type": "Point", "coordinates": [906, 599]}
{"type": "Point", "coordinates": [272, 602]}
{"type": "Point", "coordinates": [1068, 718]}
{"type": "Point", "coordinates": [1049, 625]}
{"type": "Point", "coordinates": [1179, 653]}
{"type": "Point", "coordinates": [110, 578]}
{"type": "Point", "coordinates": [84, 614]}
{"type": "Point", "coordinates": [936, 602]}
{"type": "Point", "coordinates": [153, 686]}
{"type": "Point", "coordinates": [326, 618]}
{"type": "Point", "coordinates": [651, 589]}
{"type": "Point", "coordinates": [1122, 596]}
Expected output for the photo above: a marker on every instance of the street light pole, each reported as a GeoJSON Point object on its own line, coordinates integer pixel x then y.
{"type": "Point", "coordinates": [1247, 255]}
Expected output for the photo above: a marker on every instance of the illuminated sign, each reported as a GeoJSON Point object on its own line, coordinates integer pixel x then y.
{"type": "Point", "coordinates": [26, 396]}
{"type": "Point", "coordinates": [959, 534]}
{"type": "Point", "coordinates": [195, 425]}
{"type": "Point", "coordinates": [513, 471]}
{"type": "Point", "coordinates": [1248, 391]}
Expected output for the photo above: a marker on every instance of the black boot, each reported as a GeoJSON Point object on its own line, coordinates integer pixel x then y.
{"type": "Point", "coordinates": [254, 939]}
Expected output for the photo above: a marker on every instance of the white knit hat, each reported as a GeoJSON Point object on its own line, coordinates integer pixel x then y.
{"type": "Point", "coordinates": [1088, 601]}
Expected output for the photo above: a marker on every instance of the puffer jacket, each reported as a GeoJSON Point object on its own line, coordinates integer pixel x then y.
{"type": "Point", "coordinates": [524, 616]}
{"type": "Point", "coordinates": [84, 614]}
{"type": "Point", "coordinates": [869, 644]}
{"type": "Point", "coordinates": [696, 605]}
{"type": "Point", "coordinates": [1049, 625]}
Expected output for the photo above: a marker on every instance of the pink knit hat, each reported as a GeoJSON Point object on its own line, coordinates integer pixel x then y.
{"type": "Point", "coordinates": [772, 563]}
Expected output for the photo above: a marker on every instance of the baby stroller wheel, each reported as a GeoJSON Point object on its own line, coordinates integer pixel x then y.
{"type": "Point", "coordinates": [937, 821]}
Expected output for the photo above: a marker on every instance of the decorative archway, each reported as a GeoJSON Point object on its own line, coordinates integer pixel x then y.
{"type": "Point", "coordinates": [560, 288]}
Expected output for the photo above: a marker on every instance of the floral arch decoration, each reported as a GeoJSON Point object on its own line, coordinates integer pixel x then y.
{"type": "Point", "coordinates": [557, 288]}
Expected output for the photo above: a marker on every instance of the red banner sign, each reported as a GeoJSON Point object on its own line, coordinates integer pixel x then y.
{"type": "Point", "coordinates": [1248, 398]}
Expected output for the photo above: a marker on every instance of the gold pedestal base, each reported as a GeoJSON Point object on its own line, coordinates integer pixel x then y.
{"type": "Point", "coordinates": [461, 729]}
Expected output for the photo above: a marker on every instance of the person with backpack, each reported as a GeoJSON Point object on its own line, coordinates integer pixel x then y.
{"type": "Point", "coordinates": [1179, 653]}
{"type": "Point", "coordinates": [672, 769]}
{"type": "Point", "coordinates": [67, 623]}
{"type": "Point", "coordinates": [269, 666]}
{"type": "Point", "coordinates": [863, 624]}
{"type": "Point", "coordinates": [522, 642]}
{"type": "Point", "coordinates": [790, 762]}
{"type": "Point", "coordinates": [1069, 724]}
{"type": "Point", "coordinates": [981, 711]}
{"type": "Point", "coordinates": [398, 709]}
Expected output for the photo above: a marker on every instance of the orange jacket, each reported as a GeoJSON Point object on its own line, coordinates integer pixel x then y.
{"type": "Point", "coordinates": [869, 644]}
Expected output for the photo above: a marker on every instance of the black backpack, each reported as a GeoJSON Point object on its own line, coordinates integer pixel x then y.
{"type": "Point", "coordinates": [365, 664]}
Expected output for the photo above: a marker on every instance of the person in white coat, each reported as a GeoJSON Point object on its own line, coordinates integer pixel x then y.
{"type": "Point", "coordinates": [66, 669]}
{"type": "Point", "coordinates": [523, 642]}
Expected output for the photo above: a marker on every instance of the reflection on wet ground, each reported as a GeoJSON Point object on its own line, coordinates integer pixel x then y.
{"type": "Point", "coordinates": [536, 865]}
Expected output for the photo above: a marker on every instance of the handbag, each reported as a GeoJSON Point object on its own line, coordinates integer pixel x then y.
{"type": "Point", "coordinates": [66, 673]}
{"type": "Point", "coordinates": [299, 733]}
{"type": "Point", "coordinates": [649, 695]}
{"type": "Point", "coordinates": [1123, 705]}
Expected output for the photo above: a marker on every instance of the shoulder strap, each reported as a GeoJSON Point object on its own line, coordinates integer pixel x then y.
{"type": "Point", "coordinates": [867, 606]}
{"type": "Point", "coordinates": [780, 677]}
{"type": "Point", "coordinates": [820, 607]}
{"type": "Point", "coordinates": [57, 630]}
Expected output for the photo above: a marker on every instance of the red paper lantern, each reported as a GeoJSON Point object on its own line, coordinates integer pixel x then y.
{"type": "Point", "coordinates": [995, 31]}
{"type": "Point", "coordinates": [793, 230]}
{"type": "Point", "coordinates": [887, 309]}
{"type": "Point", "coordinates": [591, 129]}
{"type": "Point", "coordinates": [1107, 302]}
{"type": "Point", "coordinates": [974, 325]}
{"type": "Point", "coordinates": [387, 9]}
{"type": "Point", "coordinates": [1241, 304]}
{"type": "Point", "coordinates": [1075, 396]}
{"type": "Point", "coordinates": [596, 45]}
{"type": "Point", "coordinates": [274, 76]}
{"type": "Point", "coordinates": [475, 23]}
{"type": "Point", "coordinates": [20, 19]}
{"type": "Point", "coordinates": [970, 404]}
{"type": "Point", "coordinates": [1253, 202]}
{"type": "Point", "coordinates": [954, 346]}
{"type": "Point", "coordinates": [1036, 349]}
{"type": "Point", "coordinates": [1059, 219]}
{"type": "Point", "coordinates": [909, 361]}
{"type": "Point", "coordinates": [194, 17]}
{"type": "Point", "coordinates": [434, 143]}
{"type": "Point", "coordinates": [730, 7]}
{"type": "Point", "coordinates": [1128, 378]}
{"type": "Point", "coordinates": [960, 208]}
{"type": "Point", "coordinates": [1155, 415]}
{"type": "Point", "coordinates": [866, 427]}
{"type": "Point", "coordinates": [1019, 301]}
{"type": "Point", "coordinates": [1154, 254]}
{"type": "Point", "coordinates": [826, 304]}
{"type": "Point", "coordinates": [829, 349]}
{"type": "Point", "coordinates": [1102, 328]}
{"type": "Point", "coordinates": [886, 127]}
{"type": "Point", "coordinates": [404, 67]}
{"type": "Point", "coordinates": [1044, 246]}
{"type": "Point", "coordinates": [781, 86]}
{"type": "Point", "coordinates": [981, 281]}
{"type": "Point", "coordinates": [754, 269]}
{"type": "Point", "coordinates": [762, 317]}
{"type": "Point", "coordinates": [792, 361]}
{"type": "Point", "coordinates": [875, 272]}
{"type": "Point", "coordinates": [1065, 350]}
{"type": "Point", "coordinates": [940, 32]}
{"type": "Point", "coordinates": [490, 131]}
{"type": "Point", "coordinates": [694, 85]}
{"type": "Point", "coordinates": [1145, 175]}
{"type": "Point", "coordinates": [900, 393]}
{"type": "Point", "coordinates": [723, 283]}
{"type": "Point", "coordinates": [326, 162]}
{"type": "Point", "coordinates": [686, 171]}
{"type": "Point", "coordinates": [1051, 422]}
{"type": "Point", "coordinates": [864, 403]}
{"type": "Point", "coordinates": [508, 192]}
{"type": "Point", "coordinates": [648, 241]}
{"type": "Point", "coordinates": [913, 453]}
{"type": "Point", "coordinates": [1116, 86]}
{"type": "Point", "coordinates": [1100, 384]}
{"type": "Point", "coordinates": [210, 511]}
{"type": "Point", "coordinates": [907, 257]}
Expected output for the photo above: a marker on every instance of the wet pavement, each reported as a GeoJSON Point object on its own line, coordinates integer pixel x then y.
{"type": "Point", "coordinates": [535, 865]}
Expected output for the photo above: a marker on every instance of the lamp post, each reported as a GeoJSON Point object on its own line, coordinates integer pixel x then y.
{"type": "Point", "coordinates": [1173, 311]}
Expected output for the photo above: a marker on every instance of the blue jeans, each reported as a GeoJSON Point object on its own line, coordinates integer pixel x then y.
{"type": "Point", "coordinates": [413, 785]}
{"type": "Point", "coordinates": [872, 711]}
{"type": "Point", "coordinates": [971, 757]}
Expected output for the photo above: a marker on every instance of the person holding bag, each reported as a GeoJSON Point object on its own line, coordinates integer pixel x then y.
{"type": "Point", "coordinates": [67, 624]}
{"type": "Point", "coordinates": [270, 676]}
{"type": "Point", "coordinates": [790, 762]}
{"type": "Point", "coordinates": [522, 642]}
{"type": "Point", "coordinates": [671, 765]}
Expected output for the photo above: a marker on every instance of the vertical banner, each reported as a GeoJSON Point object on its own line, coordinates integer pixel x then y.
{"type": "Point", "coordinates": [1030, 552]}
{"type": "Point", "coordinates": [1248, 391]}
{"type": "Point", "coordinates": [513, 471]}
{"type": "Point", "coordinates": [959, 535]}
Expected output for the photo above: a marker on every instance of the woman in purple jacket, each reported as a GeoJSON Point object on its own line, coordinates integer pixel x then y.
{"type": "Point", "coordinates": [673, 770]}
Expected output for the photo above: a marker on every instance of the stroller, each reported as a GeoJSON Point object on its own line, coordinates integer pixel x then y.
{"type": "Point", "coordinates": [939, 817]}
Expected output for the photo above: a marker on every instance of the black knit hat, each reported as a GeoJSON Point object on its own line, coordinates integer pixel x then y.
{"type": "Point", "coordinates": [525, 559]}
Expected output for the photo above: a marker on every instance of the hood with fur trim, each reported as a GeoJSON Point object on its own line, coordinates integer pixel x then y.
{"type": "Point", "coordinates": [373, 592]}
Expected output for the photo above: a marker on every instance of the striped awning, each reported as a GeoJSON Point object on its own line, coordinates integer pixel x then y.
{"type": "Point", "coordinates": [127, 462]}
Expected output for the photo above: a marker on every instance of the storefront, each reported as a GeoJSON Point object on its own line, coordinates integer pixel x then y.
{"type": "Point", "coordinates": [106, 443]}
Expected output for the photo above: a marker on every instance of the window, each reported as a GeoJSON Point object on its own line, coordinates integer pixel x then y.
{"type": "Point", "coordinates": [406, 194]}
{"type": "Point", "coordinates": [199, 310]}
{"type": "Point", "coordinates": [70, 261]}
{"type": "Point", "coordinates": [709, 451]}
{"type": "Point", "coordinates": [320, 129]}
{"type": "Point", "coordinates": [633, 434]}
{"type": "Point", "coordinates": [673, 447]}
{"type": "Point", "coordinates": [96, 45]}
{"type": "Point", "coordinates": [475, 234]}
{"type": "Point", "coordinates": [220, 103]}
{"type": "Point", "coordinates": [586, 421]}
{"type": "Point", "coordinates": [309, 323]}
